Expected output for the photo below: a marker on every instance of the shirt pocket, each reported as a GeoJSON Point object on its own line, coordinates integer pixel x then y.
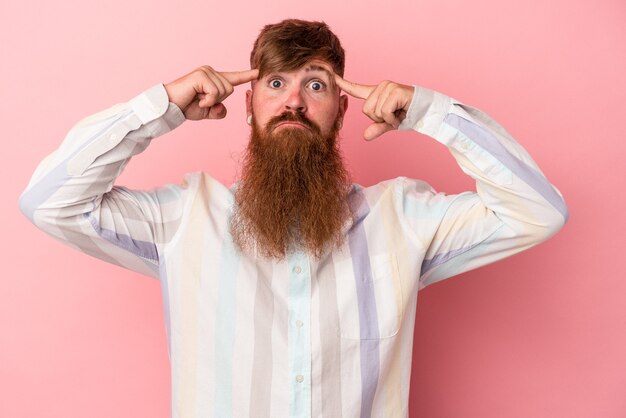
{"type": "Point", "coordinates": [369, 298]}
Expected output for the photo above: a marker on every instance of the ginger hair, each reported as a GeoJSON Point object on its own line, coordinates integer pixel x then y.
{"type": "Point", "coordinates": [291, 43]}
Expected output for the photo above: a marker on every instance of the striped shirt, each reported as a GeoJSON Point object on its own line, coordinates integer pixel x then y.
{"type": "Point", "coordinates": [251, 337]}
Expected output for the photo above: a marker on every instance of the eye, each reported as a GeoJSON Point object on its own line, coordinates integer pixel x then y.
{"type": "Point", "coordinates": [317, 85]}
{"type": "Point", "coordinates": [276, 83]}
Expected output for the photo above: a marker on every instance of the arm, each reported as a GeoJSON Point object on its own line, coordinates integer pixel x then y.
{"type": "Point", "coordinates": [71, 194]}
{"type": "Point", "coordinates": [514, 207]}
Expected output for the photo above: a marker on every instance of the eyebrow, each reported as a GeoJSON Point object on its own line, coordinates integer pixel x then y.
{"type": "Point", "coordinates": [315, 67]}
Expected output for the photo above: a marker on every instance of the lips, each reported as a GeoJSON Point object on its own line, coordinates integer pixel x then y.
{"type": "Point", "coordinates": [292, 123]}
{"type": "Point", "coordinates": [292, 120]}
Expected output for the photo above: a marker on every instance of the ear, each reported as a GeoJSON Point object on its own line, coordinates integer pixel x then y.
{"type": "Point", "coordinates": [343, 104]}
{"type": "Point", "coordinates": [249, 102]}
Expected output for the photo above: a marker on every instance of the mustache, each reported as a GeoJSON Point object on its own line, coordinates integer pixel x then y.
{"type": "Point", "coordinates": [292, 117]}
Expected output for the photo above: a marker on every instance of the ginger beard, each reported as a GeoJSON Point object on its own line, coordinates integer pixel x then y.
{"type": "Point", "coordinates": [293, 190]}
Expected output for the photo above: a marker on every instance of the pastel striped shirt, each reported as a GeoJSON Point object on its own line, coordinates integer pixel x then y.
{"type": "Point", "coordinates": [332, 338]}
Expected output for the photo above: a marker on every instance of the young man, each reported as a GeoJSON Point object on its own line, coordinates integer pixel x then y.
{"type": "Point", "coordinates": [292, 293]}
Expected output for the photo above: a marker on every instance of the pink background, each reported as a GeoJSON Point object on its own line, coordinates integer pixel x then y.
{"type": "Point", "coordinates": [542, 334]}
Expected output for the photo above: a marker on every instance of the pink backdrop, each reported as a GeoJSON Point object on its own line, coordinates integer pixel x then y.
{"type": "Point", "coordinates": [542, 334]}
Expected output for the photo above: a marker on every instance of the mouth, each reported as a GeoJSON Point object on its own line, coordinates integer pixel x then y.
{"type": "Point", "coordinates": [291, 123]}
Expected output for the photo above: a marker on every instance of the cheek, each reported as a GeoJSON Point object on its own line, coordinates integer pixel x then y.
{"type": "Point", "coordinates": [259, 110]}
{"type": "Point", "coordinates": [327, 113]}
{"type": "Point", "coordinates": [263, 105]}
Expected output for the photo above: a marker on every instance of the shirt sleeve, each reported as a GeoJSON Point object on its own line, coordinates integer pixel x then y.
{"type": "Point", "coordinates": [514, 207]}
{"type": "Point", "coordinates": [71, 194]}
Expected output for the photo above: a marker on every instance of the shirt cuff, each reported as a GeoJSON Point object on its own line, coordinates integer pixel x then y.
{"type": "Point", "coordinates": [151, 104]}
{"type": "Point", "coordinates": [426, 112]}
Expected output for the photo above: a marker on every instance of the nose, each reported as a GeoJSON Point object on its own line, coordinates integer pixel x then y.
{"type": "Point", "coordinates": [294, 101]}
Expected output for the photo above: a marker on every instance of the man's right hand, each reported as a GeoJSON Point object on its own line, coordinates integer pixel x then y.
{"type": "Point", "coordinates": [199, 94]}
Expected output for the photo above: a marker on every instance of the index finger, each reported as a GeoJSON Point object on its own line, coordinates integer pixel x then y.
{"type": "Point", "coordinates": [360, 91]}
{"type": "Point", "coordinates": [239, 77]}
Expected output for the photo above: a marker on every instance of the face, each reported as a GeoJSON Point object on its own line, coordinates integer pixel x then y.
{"type": "Point", "coordinates": [294, 183]}
{"type": "Point", "coordinates": [310, 90]}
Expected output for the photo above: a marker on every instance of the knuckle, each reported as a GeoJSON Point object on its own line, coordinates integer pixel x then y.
{"type": "Point", "coordinates": [200, 74]}
{"type": "Point", "coordinates": [391, 86]}
{"type": "Point", "coordinates": [204, 70]}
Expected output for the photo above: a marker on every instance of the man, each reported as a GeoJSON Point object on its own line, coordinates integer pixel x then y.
{"type": "Point", "coordinates": [292, 293]}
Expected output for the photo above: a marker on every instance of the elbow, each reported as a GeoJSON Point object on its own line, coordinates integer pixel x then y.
{"type": "Point", "coordinates": [540, 227]}
{"type": "Point", "coordinates": [560, 219]}
{"type": "Point", "coordinates": [555, 227]}
{"type": "Point", "coordinates": [27, 206]}
{"type": "Point", "coordinates": [552, 224]}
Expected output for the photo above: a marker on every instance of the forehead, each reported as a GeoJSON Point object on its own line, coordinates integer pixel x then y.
{"type": "Point", "coordinates": [314, 65]}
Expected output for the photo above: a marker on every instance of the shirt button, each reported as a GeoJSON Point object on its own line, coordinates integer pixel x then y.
{"type": "Point", "coordinates": [297, 269]}
{"type": "Point", "coordinates": [113, 136]}
{"type": "Point", "coordinates": [299, 378]}
{"type": "Point", "coordinates": [299, 323]}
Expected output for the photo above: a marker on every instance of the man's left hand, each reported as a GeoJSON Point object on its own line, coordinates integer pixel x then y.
{"type": "Point", "coordinates": [386, 104]}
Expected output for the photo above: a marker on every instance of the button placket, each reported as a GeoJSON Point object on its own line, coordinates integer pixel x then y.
{"type": "Point", "coordinates": [299, 341]}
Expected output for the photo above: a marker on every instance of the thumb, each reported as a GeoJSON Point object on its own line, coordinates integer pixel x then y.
{"type": "Point", "coordinates": [217, 111]}
{"type": "Point", "coordinates": [376, 129]}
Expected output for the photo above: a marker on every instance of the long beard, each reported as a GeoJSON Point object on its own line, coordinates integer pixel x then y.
{"type": "Point", "coordinates": [293, 191]}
